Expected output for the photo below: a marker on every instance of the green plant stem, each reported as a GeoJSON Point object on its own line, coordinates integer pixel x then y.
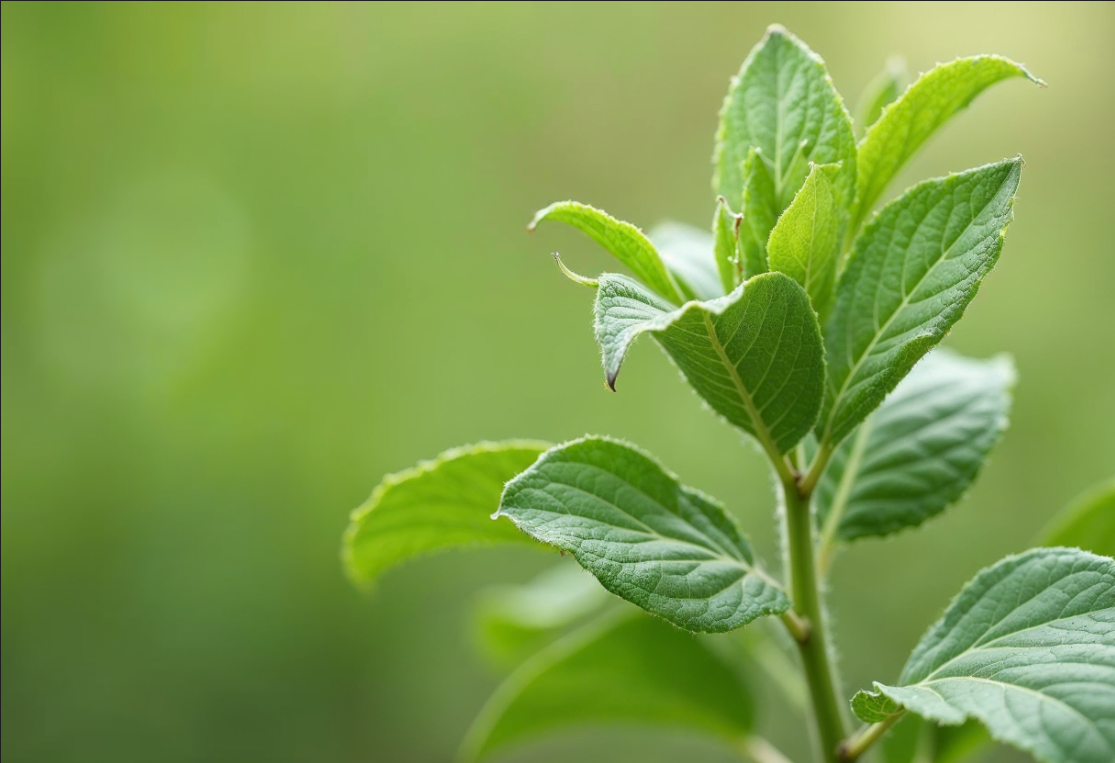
{"type": "Point", "coordinates": [759, 750]}
{"type": "Point", "coordinates": [815, 657]}
{"type": "Point", "coordinates": [850, 749]}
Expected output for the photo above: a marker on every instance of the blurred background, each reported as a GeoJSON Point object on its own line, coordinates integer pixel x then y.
{"type": "Point", "coordinates": [255, 256]}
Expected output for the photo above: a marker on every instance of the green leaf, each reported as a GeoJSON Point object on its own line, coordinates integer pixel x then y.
{"type": "Point", "coordinates": [920, 451]}
{"type": "Point", "coordinates": [725, 233]}
{"type": "Point", "coordinates": [438, 505]}
{"type": "Point", "coordinates": [1028, 649]}
{"type": "Point", "coordinates": [690, 257]}
{"type": "Point", "coordinates": [514, 621]}
{"type": "Point", "coordinates": [626, 242]}
{"type": "Point", "coordinates": [881, 92]}
{"type": "Point", "coordinates": [918, 741]}
{"type": "Point", "coordinates": [647, 538]}
{"type": "Point", "coordinates": [755, 355]}
{"type": "Point", "coordinates": [624, 668]}
{"type": "Point", "coordinates": [1089, 523]}
{"type": "Point", "coordinates": [805, 242]}
{"type": "Point", "coordinates": [912, 272]}
{"type": "Point", "coordinates": [925, 106]}
{"type": "Point", "coordinates": [760, 213]}
{"type": "Point", "coordinates": [783, 103]}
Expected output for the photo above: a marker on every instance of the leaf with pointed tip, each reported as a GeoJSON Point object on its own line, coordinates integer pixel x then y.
{"type": "Point", "coordinates": [912, 273]}
{"type": "Point", "coordinates": [754, 355]}
{"type": "Point", "coordinates": [881, 92]}
{"type": "Point", "coordinates": [1028, 649]}
{"type": "Point", "coordinates": [626, 242]}
{"type": "Point", "coordinates": [908, 122]}
{"type": "Point", "coordinates": [1089, 523]}
{"type": "Point", "coordinates": [805, 242]}
{"type": "Point", "coordinates": [726, 246]}
{"type": "Point", "coordinates": [438, 505]}
{"type": "Point", "coordinates": [759, 214]}
{"type": "Point", "coordinates": [623, 668]}
{"type": "Point", "coordinates": [646, 537]}
{"type": "Point", "coordinates": [783, 103]}
{"type": "Point", "coordinates": [689, 255]}
{"type": "Point", "coordinates": [920, 451]}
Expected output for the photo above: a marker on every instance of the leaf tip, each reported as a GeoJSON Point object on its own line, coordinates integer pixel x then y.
{"type": "Point", "coordinates": [574, 277]}
{"type": "Point", "coordinates": [610, 380]}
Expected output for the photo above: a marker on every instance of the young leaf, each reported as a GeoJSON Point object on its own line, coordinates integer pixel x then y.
{"type": "Point", "coordinates": [912, 272]}
{"type": "Point", "coordinates": [626, 242]}
{"type": "Point", "coordinates": [920, 451]}
{"type": "Point", "coordinates": [622, 668]}
{"type": "Point", "coordinates": [783, 103]}
{"type": "Point", "coordinates": [726, 246]}
{"type": "Point", "coordinates": [689, 255]}
{"type": "Point", "coordinates": [1028, 649]}
{"type": "Point", "coordinates": [1089, 523]}
{"type": "Point", "coordinates": [438, 505]}
{"type": "Point", "coordinates": [881, 92]}
{"type": "Point", "coordinates": [805, 242]}
{"type": "Point", "coordinates": [908, 122]}
{"type": "Point", "coordinates": [755, 355]}
{"type": "Point", "coordinates": [760, 212]}
{"type": "Point", "coordinates": [646, 537]}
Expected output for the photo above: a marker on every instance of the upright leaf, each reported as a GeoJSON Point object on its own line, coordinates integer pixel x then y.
{"type": "Point", "coordinates": [908, 122]}
{"type": "Point", "coordinates": [881, 92]}
{"type": "Point", "coordinates": [920, 451]}
{"type": "Point", "coordinates": [755, 355]}
{"type": "Point", "coordinates": [689, 255]}
{"type": "Point", "coordinates": [438, 505]}
{"type": "Point", "coordinates": [912, 272]}
{"type": "Point", "coordinates": [624, 668]}
{"type": "Point", "coordinates": [805, 242]}
{"type": "Point", "coordinates": [726, 235]}
{"type": "Point", "coordinates": [760, 212]}
{"type": "Point", "coordinates": [626, 242]}
{"type": "Point", "coordinates": [1028, 649]}
{"type": "Point", "coordinates": [646, 537]}
{"type": "Point", "coordinates": [1089, 523]}
{"type": "Point", "coordinates": [783, 103]}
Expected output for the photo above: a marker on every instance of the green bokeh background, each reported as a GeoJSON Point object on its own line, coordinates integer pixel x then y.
{"type": "Point", "coordinates": [255, 256]}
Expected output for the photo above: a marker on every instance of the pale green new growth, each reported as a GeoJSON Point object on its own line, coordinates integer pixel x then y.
{"type": "Point", "coordinates": [436, 506]}
{"type": "Point", "coordinates": [908, 122]}
{"type": "Point", "coordinates": [1028, 648]}
{"type": "Point", "coordinates": [726, 246]}
{"type": "Point", "coordinates": [626, 242]}
{"type": "Point", "coordinates": [689, 255]}
{"type": "Point", "coordinates": [1088, 523]}
{"type": "Point", "coordinates": [646, 537]}
{"type": "Point", "coordinates": [755, 355]}
{"type": "Point", "coordinates": [759, 214]}
{"type": "Point", "coordinates": [881, 92]}
{"type": "Point", "coordinates": [913, 271]}
{"type": "Point", "coordinates": [805, 242]}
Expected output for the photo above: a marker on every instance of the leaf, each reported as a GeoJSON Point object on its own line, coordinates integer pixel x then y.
{"type": "Point", "coordinates": [910, 276]}
{"type": "Point", "coordinates": [513, 621]}
{"type": "Point", "coordinates": [438, 505]}
{"type": "Point", "coordinates": [805, 242]}
{"type": "Point", "coordinates": [1028, 649]}
{"type": "Point", "coordinates": [881, 92]}
{"type": "Point", "coordinates": [925, 106]}
{"type": "Point", "coordinates": [626, 242]}
{"type": "Point", "coordinates": [689, 256]}
{"type": "Point", "coordinates": [760, 212]}
{"type": "Point", "coordinates": [783, 103]}
{"type": "Point", "coordinates": [726, 246]}
{"type": "Point", "coordinates": [755, 355]}
{"type": "Point", "coordinates": [918, 741]}
{"type": "Point", "coordinates": [623, 668]}
{"type": "Point", "coordinates": [647, 538]}
{"type": "Point", "coordinates": [920, 451]}
{"type": "Point", "coordinates": [1089, 523]}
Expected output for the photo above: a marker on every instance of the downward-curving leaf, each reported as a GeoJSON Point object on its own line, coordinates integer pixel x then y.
{"type": "Point", "coordinates": [920, 451]}
{"type": "Point", "coordinates": [881, 92]}
{"type": "Point", "coordinates": [689, 255]}
{"type": "Point", "coordinates": [805, 242]}
{"type": "Point", "coordinates": [783, 103]}
{"type": "Point", "coordinates": [925, 106]}
{"type": "Point", "coordinates": [755, 355]}
{"type": "Point", "coordinates": [624, 668]}
{"type": "Point", "coordinates": [626, 242]}
{"type": "Point", "coordinates": [1089, 523]}
{"type": "Point", "coordinates": [438, 505]}
{"type": "Point", "coordinates": [1028, 649]}
{"type": "Point", "coordinates": [646, 537]}
{"type": "Point", "coordinates": [912, 272]}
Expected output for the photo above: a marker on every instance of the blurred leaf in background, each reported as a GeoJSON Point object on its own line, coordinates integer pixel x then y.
{"type": "Point", "coordinates": [256, 256]}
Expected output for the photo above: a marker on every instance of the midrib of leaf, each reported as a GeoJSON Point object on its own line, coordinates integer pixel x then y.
{"type": "Point", "coordinates": [854, 368]}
